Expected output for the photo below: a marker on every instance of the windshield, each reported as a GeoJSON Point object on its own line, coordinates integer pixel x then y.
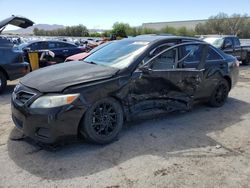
{"type": "Point", "coordinates": [20, 46]}
{"type": "Point", "coordinates": [99, 47]}
{"type": "Point", "coordinates": [118, 54]}
{"type": "Point", "coordinates": [217, 42]}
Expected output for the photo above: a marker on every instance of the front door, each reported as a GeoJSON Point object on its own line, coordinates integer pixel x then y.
{"type": "Point", "coordinates": [169, 80]}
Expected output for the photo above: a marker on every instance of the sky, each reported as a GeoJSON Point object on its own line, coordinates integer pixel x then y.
{"type": "Point", "coordinates": [102, 14]}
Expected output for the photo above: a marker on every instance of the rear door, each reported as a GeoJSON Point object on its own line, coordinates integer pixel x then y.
{"type": "Point", "coordinates": [214, 65]}
{"type": "Point", "coordinates": [65, 50]}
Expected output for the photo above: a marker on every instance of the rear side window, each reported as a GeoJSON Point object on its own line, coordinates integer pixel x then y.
{"type": "Point", "coordinates": [52, 45]}
{"type": "Point", "coordinates": [38, 46]}
{"type": "Point", "coordinates": [64, 45]}
{"type": "Point", "coordinates": [213, 55]}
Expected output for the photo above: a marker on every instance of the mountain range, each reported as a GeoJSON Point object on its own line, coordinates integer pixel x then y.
{"type": "Point", "coordinates": [47, 27]}
{"type": "Point", "coordinates": [29, 30]}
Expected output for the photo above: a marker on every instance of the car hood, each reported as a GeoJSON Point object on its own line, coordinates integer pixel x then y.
{"type": "Point", "coordinates": [56, 78]}
{"type": "Point", "coordinates": [16, 21]}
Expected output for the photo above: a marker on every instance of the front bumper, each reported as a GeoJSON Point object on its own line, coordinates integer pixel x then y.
{"type": "Point", "coordinates": [47, 125]}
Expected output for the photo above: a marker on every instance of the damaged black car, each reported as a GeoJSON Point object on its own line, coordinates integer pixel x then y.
{"type": "Point", "coordinates": [94, 97]}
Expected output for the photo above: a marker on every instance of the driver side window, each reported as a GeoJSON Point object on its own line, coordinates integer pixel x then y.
{"type": "Point", "coordinates": [161, 60]}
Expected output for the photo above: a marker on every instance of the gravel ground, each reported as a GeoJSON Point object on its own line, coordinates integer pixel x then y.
{"type": "Point", "coordinates": [207, 147]}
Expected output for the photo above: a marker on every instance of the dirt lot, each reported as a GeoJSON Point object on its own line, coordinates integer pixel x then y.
{"type": "Point", "coordinates": [207, 147]}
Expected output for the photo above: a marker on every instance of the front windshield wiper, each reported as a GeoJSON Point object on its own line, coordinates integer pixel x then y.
{"type": "Point", "coordinates": [91, 62]}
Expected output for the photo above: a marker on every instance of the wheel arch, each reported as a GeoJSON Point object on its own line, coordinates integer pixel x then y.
{"type": "Point", "coordinates": [4, 72]}
{"type": "Point", "coordinates": [110, 96]}
{"type": "Point", "coordinates": [229, 81]}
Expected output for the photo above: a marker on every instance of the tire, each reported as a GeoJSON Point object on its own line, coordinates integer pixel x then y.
{"type": "Point", "coordinates": [3, 82]}
{"type": "Point", "coordinates": [102, 122]}
{"type": "Point", "coordinates": [220, 94]}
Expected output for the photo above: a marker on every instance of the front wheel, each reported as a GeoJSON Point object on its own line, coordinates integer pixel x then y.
{"type": "Point", "coordinates": [3, 82]}
{"type": "Point", "coordinates": [220, 94]}
{"type": "Point", "coordinates": [102, 121]}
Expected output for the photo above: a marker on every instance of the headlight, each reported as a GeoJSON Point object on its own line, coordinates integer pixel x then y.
{"type": "Point", "coordinates": [51, 101]}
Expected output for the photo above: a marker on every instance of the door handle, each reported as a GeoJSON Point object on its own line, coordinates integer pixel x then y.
{"type": "Point", "coordinates": [65, 50]}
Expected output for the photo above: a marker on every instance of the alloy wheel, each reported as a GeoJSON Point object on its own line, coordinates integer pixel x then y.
{"type": "Point", "coordinates": [221, 94]}
{"type": "Point", "coordinates": [104, 119]}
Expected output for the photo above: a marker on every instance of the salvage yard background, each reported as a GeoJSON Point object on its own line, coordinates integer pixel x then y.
{"type": "Point", "coordinates": [207, 147]}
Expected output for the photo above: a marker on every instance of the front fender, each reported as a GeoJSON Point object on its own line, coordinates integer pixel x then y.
{"type": "Point", "coordinates": [96, 90]}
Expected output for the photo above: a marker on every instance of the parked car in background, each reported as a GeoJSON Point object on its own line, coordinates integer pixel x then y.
{"type": "Point", "coordinates": [81, 56]}
{"type": "Point", "coordinates": [131, 76]}
{"type": "Point", "coordinates": [231, 45]}
{"type": "Point", "coordinates": [61, 49]}
{"type": "Point", "coordinates": [12, 65]}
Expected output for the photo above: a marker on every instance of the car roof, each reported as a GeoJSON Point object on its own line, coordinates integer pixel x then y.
{"type": "Point", "coordinates": [155, 38]}
{"type": "Point", "coordinates": [34, 41]}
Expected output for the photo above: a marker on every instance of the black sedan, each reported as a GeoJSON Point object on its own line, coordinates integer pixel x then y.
{"type": "Point", "coordinates": [126, 78]}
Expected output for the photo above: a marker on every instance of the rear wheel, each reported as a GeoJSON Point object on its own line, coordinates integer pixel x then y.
{"type": "Point", "coordinates": [220, 94]}
{"type": "Point", "coordinates": [102, 121]}
{"type": "Point", "coordinates": [3, 82]}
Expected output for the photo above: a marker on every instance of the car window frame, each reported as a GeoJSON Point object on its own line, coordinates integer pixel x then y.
{"type": "Point", "coordinates": [187, 55]}
{"type": "Point", "coordinates": [152, 49]}
{"type": "Point", "coordinates": [63, 45]}
{"type": "Point", "coordinates": [51, 43]}
{"type": "Point", "coordinates": [147, 64]}
{"type": "Point", "coordinates": [229, 39]}
{"type": "Point", "coordinates": [41, 43]}
{"type": "Point", "coordinates": [215, 50]}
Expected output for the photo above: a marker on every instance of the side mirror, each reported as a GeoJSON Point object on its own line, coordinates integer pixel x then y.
{"type": "Point", "coordinates": [145, 70]}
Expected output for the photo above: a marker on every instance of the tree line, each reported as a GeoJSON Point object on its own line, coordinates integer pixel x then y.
{"type": "Point", "coordinates": [223, 24]}
{"type": "Point", "coordinates": [74, 31]}
{"type": "Point", "coordinates": [235, 24]}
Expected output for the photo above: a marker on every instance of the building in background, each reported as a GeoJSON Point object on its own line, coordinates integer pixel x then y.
{"type": "Point", "coordinates": [189, 24]}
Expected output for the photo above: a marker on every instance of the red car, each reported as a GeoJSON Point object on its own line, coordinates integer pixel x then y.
{"type": "Point", "coordinates": [77, 57]}
{"type": "Point", "coordinates": [81, 56]}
